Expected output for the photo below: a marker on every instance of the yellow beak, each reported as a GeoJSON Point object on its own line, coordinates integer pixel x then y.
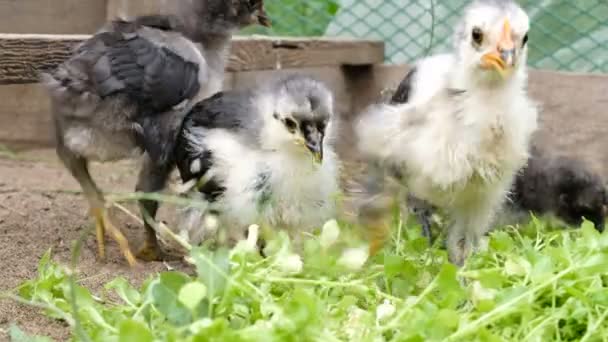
{"type": "Point", "coordinates": [502, 58]}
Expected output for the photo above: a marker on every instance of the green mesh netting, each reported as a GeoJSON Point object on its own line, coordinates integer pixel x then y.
{"type": "Point", "coordinates": [570, 35]}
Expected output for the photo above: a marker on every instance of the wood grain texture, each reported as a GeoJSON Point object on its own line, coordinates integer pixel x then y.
{"type": "Point", "coordinates": [130, 8]}
{"type": "Point", "coordinates": [262, 53]}
{"type": "Point", "coordinates": [23, 57]}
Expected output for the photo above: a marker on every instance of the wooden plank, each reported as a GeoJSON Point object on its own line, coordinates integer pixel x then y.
{"type": "Point", "coordinates": [51, 16]}
{"type": "Point", "coordinates": [129, 8]}
{"type": "Point", "coordinates": [23, 57]}
{"type": "Point", "coordinates": [263, 53]}
{"type": "Point", "coordinates": [25, 115]}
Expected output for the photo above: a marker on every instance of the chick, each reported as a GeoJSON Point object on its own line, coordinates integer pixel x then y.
{"type": "Point", "coordinates": [260, 156]}
{"type": "Point", "coordinates": [125, 90]}
{"type": "Point", "coordinates": [465, 130]}
{"type": "Point", "coordinates": [558, 186]}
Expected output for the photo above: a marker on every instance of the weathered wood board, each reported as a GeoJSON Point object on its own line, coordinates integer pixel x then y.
{"type": "Point", "coordinates": [23, 57]}
{"type": "Point", "coordinates": [52, 16]}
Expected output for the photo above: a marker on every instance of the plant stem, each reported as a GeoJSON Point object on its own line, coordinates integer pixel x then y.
{"type": "Point", "coordinates": [406, 310]}
{"type": "Point", "coordinates": [503, 309]}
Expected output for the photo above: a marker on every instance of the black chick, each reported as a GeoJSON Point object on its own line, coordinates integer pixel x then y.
{"type": "Point", "coordinates": [125, 92]}
{"type": "Point", "coordinates": [560, 186]}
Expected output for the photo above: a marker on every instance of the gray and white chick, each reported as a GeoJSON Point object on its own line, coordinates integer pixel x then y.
{"type": "Point", "coordinates": [466, 128]}
{"type": "Point", "coordinates": [126, 90]}
{"type": "Point", "coordinates": [261, 156]}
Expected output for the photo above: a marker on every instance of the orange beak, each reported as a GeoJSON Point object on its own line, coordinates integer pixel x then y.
{"type": "Point", "coordinates": [502, 58]}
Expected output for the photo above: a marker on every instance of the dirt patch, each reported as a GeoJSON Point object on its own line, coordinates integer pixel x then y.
{"type": "Point", "coordinates": [41, 209]}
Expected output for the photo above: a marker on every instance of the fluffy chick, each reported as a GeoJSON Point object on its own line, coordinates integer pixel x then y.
{"type": "Point", "coordinates": [559, 186]}
{"type": "Point", "coordinates": [126, 89]}
{"type": "Point", "coordinates": [466, 128]}
{"type": "Point", "coordinates": [261, 156]}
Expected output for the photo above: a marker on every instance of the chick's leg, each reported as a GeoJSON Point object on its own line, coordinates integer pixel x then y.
{"type": "Point", "coordinates": [375, 217]}
{"type": "Point", "coordinates": [469, 225]}
{"type": "Point", "coordinates": [152, 178]}
{"type": "Point", "coordinates": [79, 168]}
{"type": "Point", "coordinates": [373, 203]}
{"type": "Point", "coordinates": [457, 251]}
{"type": "Point", "coordinates": [379, 231]}
{"type": "Point", "coordinates": [423, 213]}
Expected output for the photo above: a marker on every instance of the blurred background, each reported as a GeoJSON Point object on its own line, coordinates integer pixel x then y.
{"type": "Point", "coordinates": [566, 35]}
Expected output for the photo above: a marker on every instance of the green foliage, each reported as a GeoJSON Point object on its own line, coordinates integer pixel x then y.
{"type": "Point", "coordinates": [17, 334]}
{"type": "Point", "coordinates": [526, 284]}
{"type": "Point", "coordinates": [298, 18]}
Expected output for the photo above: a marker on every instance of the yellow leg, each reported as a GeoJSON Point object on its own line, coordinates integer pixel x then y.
{"type": "Point", "coordinates": [379, 232]}
{"type": "Point", "coordinates": [101, 234]}
{"type": "Point", "coordinates": [104, 223]}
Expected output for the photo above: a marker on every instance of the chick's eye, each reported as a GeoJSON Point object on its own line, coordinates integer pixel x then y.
{"type": "Point", "coordinates": [253, 4]}
{"type": "Point", "coordinates": [291, 125]}
{"type": "Point", "coordinates": [477, 36]}
{"type": "Point", "coordinates": [525, 40]}
{"type": "Point", "coordinates": [321, 126]}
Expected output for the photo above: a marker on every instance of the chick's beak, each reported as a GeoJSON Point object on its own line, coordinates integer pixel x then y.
{"type": "Point", "coordinates": [503, 58]}
{"type": "Point", "coordinates": [314, 143]}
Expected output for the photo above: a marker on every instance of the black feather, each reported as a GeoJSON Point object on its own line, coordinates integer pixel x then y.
{"type": "Point", "coordinates": [153, 77]}
{"type": "Point", "coordinates": [122, 61]}
{"type": "Point", "coordinates": [228, 110]}
{"type": "Point", "coordinates": [223, 110]}
{"type": "Point", "coordinates": [403, 92]}
{"type": "Point", "coordinates": [212, 190]}
{"type": "Point", "coordinates": [562, 186]}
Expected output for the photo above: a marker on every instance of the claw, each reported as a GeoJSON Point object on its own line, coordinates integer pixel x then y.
{"type": "Point", "coordinates": [150, 251]}
{"type": "Point", "coordinates": [459, 253]}
{"type": "Point", "coordinates": [104, 223]}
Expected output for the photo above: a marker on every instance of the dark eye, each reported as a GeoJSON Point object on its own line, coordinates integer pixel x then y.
{"type": "Point", "coordinates": [253, 5]}
{"type": "Point", "coordinates": [525, 40]}
{"type": "Point", "coordinates": [477, 36]}
{"type": "Point", "coordinates": [291, 125]}
{"type": "Point", "coordinates": [321, 126]}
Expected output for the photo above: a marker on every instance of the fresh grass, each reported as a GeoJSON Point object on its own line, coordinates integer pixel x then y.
{"type": "Point", "coordinates": [533, 283]}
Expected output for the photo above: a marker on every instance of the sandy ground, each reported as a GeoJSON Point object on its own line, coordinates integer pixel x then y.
{"type": "Point", "coordinates": [39, 210]}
